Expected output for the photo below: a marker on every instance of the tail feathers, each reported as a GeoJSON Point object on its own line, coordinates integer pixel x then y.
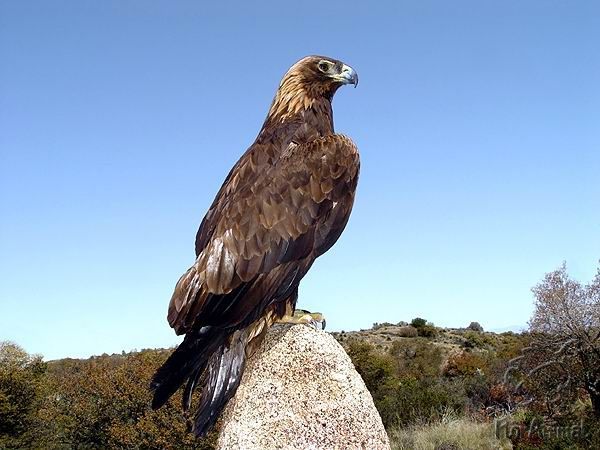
{"type": "Point", "coordinates": [212, 358]}
{"type": "Point", "coordinates": [224, 372]}
{"type": "Point", "coordinates": [190, 358]}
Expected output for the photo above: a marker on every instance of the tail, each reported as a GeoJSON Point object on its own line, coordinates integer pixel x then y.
{"type": "Point", "coordinates": [223, 376]}
{"type": "Point", "coordinates": [189, 358]}
{"type": "Point", "coordinates": [214, 356]}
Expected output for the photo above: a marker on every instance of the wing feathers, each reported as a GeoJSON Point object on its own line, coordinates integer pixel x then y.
{"type": "Point", "coordinates": [268, 212]}
{"type": "Point", "coordinates": [220, 267]}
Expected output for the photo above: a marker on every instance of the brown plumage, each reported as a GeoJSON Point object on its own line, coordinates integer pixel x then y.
{"type": "Point", "coordinates": [284, 203]}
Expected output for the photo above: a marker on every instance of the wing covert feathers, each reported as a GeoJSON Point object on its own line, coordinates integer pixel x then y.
{"type": "Point", "coordinates": [271, 210]}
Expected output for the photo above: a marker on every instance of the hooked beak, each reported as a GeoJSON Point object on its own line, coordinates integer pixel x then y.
{"type": "Point", "coordinates": [347, 76]}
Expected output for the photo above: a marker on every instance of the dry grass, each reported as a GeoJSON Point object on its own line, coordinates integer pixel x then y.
{"type": "Point", "coordinates": [449, 434]}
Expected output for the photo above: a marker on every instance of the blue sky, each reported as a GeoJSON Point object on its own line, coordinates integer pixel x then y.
{"type": "Point", "coordinates": [477, 122]}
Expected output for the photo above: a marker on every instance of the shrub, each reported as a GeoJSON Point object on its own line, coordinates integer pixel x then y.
{"type": "Point", "coordinates": [417, 358]}
{"type": "Point", "coordinates": [466, 364]}
{"type": "Point", "coordinates": [21, 378]}
{"type": "Point", "coordinates": [475, 326]}
{"type": "Point", "coordinates": [424, 328]}
{"type": "Point", "coordinates": [104, 402]}
{"type": "Point", "coordinates": [473, 340]}
{"type": "Point", "coordinates": [377, 369]}
{"type": "Point", "coordinates": [408, 331]}
{"type": "Point", "coordinates": [417, 322]}
{"type": "Point", "coordinates": [421, 400]}
{"type": "Point", "coordinates": [477, 391]}
{"type": "Point", "coordinates": [428, 331]}
{"type": "Point", "coordinates": [500, 396]}
{"type": "Point", "coordinates": [510, 345]}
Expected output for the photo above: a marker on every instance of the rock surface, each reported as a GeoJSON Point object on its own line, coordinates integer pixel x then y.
{"type": "Point", "coordinates": [301, 391]}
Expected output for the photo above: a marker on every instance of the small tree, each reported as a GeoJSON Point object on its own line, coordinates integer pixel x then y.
{"type": "Point", "coordinates": [475, 326]}
{"type": "Point", "coordinates": [424, 328]}
{"type": "Point", "coordinates": [417, 322]}
{"type": "Point", "coordinates": [564, 354]}
{"type": "Point", "coordinates": [20, 383]}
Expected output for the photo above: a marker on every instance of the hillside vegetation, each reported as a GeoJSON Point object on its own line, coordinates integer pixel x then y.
{"type": "Point", "coordinates": [100, 402]}
{"type": "Point", "coordinates": [441, 388]}
{"type": "Point", "coordinates": [435, 388]}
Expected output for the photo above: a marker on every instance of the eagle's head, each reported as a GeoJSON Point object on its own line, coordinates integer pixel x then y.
{"type": "Point", "coordinates": [321, 74]}
{"type": "Point", "coordinates": [310, 80]}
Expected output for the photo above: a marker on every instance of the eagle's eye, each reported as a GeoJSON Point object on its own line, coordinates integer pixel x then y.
{"type": "Point", "coordinates": [324, 66]}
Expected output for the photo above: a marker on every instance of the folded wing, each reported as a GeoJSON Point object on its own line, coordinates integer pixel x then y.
{"type": "Point", "coordinates": [276, 212]}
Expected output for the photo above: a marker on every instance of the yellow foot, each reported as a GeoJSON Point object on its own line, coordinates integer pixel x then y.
{"type": "Point", "coordinates": [300, 316]}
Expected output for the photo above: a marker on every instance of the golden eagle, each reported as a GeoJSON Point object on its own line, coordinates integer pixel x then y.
{"type": "Point", "coordinates": [284, 203]}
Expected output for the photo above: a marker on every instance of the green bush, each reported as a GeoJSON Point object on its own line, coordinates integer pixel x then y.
{"type": "Point", "coordinates": [405, 383]}
{"type": "Point", "coordinates": [475, 326]}
{"type": "Point", "coordinates": [418, 358]}
{"type": "Point", "coordinates": [377, 369]}
{"type": "Point", "coordinates": [473, 340]}
{"type": "Point", "coordinates": [424, 328]}
{"type": "Point", "coordinates": [421, 401]}
{"type": "Point", "coordinates": [418, 322]}
{"type": "Point", "coordinates": [428, 331]}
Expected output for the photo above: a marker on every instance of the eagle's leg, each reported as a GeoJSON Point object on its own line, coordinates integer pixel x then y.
{"type": "Point", "coordinates": [301, 316]}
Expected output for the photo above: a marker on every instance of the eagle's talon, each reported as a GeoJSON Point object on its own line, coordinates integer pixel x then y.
{"type": "Point", "coordinates": [318, 324]}
{"type": "Point", "coordinates": [301, 316]}
{"type": "Point", "coordinates": [316, 320]}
